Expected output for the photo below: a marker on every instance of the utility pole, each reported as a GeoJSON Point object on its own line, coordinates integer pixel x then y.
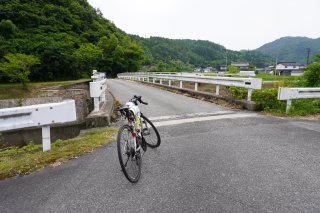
{"type": "Point", "coordinates": [308, 55]}
{"type": "Point", "coordinates": [275, 67]}
{"type": "Point", "coordinates": [226, 59]}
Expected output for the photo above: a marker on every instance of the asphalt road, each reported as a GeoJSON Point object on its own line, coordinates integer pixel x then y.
{"type": "Point", "coordinates": [212, 159]}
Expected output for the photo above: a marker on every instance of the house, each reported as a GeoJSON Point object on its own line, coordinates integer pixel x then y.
{"type": "Point", "coordinates": [223, 68]}
{"type": "Point", "coordinates": [199, 69]}
{"type": "Point", "coordinates": [290, 68]}
{"type": "Point", "coordinates": [209, 69]}
{"type": "Point", "coordinates": [242, 66]}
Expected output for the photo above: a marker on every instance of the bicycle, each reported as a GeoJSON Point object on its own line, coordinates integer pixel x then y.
{"type": "Point", "coordinates": [137, 134]}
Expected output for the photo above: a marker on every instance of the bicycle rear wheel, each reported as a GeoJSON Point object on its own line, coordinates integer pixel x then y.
{"type": "Point", "coordinates": [129, 159]}
{"type": "Point", "coordinates": [150, 133]}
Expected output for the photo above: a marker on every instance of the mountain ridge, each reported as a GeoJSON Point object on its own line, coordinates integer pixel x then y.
{"type": "Point", "coordinates": [291, 48]}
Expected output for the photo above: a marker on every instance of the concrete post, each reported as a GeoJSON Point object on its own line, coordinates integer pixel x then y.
{"type": "Point", "coordinates": [46, 140]}
{"type": "Point", "coordinates": [196, 86]}
{"type": "Point", "coordinates": [96, 103]}
{"type": "Point", "coordinates": [153, 80]}
{"type": "Point", "coordinates": [160, 81]}
{"type": "Point", "coordinates": [103, 96]}
{"type": "Point", "coordinates": [289, 102]}
{"type": "Point", "coordinates": [169, 82]}
{"type": "Point", "coordinates": [249, 94]}
{"type": "Point", "coordinates": [180, 84]}
{"type": "Point", "coordinates": [217, 89]}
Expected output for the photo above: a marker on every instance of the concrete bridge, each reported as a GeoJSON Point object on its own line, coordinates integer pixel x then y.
{"type": "Point", "coordinates": [211, 159]}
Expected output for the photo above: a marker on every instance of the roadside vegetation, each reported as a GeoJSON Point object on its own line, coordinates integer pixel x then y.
{"type": "Point", "coordinates": [21, 161]}
{"type": "Point", "coordinates": [267, 97]}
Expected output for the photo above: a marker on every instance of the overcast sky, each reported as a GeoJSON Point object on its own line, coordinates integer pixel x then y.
{"type": "Point", "coordinates": [235, 24]}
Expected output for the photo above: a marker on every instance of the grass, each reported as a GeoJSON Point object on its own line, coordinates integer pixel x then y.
{"type": "Point", "coordinates": [21, 161]}
{"type": "Point", "coordinates": [267, 77]}
{"type": "Point", "coordinates": [14, 90]}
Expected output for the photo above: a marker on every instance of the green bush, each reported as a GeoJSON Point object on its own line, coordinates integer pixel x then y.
{"type": "Point", "coordinates": [268, 100]}
{"type": "Point", "coordinates": [238, 93]}
{"type": "Point", "coordinates": [312, 75]}
{"type": "Point", "coordinates": [305, 107]}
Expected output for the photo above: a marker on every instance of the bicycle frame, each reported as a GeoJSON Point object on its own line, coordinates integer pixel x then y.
{"type": "Point", "coordinates": [132, 122]}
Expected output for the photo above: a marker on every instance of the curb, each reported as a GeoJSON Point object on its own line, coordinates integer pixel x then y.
{"type": "Point", "coordinates": [103, 117]}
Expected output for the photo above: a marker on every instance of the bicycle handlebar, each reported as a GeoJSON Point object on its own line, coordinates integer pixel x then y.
{"type": "Point", "coordinates": [138, 98]}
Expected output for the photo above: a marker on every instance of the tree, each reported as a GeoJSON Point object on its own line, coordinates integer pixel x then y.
{"type": "Point", "coordinates": [120, 55]}
{"type": "Point", "coordinates": [133, 56]}
{"type": "Point", "coordinates": [17, 67]}
{"type": "Point", "coordinates": [88, 56]}
{"type": "Point", "coordinates": [233, 69]}
{"type": "Point", "coordinates": [312, 75]}
{"type": "Point", "coordinates": [161, 66]}
{"type": "Point", "coordinates": [7, 29]}
{"type": "Point", "coordinates": [316, 58]}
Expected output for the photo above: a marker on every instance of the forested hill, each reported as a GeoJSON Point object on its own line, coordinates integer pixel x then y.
{"type": "Point", "coordinates": [173, 52]}
{"type": "Point", "coordinates": [292, 48]}
{"type": "Point", "coordinates": [69, 37]}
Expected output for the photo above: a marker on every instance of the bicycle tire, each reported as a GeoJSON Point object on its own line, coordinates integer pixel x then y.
{"type": "Point", "coordinates": [152, 140]}
{"type": "Point", "coordinates": [127, 155]}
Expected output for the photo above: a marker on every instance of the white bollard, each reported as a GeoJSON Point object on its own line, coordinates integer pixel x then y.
{"type": "Point", "coordinates": [96, 103]}
{"type": "Point", "coordinates": [46, 140]}
{"type": "Point", "coordinates": [249, 94]}
{"type": "Point", "coordinates": [217, 89]}
{"type": "Point", "coordinates": [289, 103]}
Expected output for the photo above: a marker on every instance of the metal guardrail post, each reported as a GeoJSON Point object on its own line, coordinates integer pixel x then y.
{"type": "Point", "coordinates": [46, 140]}
{"type": "Point", "coordinates": [288, 107]}
{"type": "Point", "coordinates": [249, 94]}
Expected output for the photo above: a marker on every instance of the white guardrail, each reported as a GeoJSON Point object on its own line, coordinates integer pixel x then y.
{"type": "Point", "coordinates": [42, 115]}
{"type": "Point", "coordinates": [249, 83]}
{"type": "Point", "coordinates": [98, 89]}
{"type": "Point", "coordinates": [297, 93]}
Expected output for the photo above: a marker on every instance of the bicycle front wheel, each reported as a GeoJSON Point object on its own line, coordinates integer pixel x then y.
{"type": "Point", "coordinates": [129, 159]}
{"type": "Point", "coordinates": [150, 133]}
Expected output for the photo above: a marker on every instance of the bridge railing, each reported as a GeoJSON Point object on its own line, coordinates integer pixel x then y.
{"type": "Point", "coordinates": [249, 83]}
{"type": "Point", "coordinates": [289, 94]}
{"type": "Point", "coordinates": [42, 115]}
